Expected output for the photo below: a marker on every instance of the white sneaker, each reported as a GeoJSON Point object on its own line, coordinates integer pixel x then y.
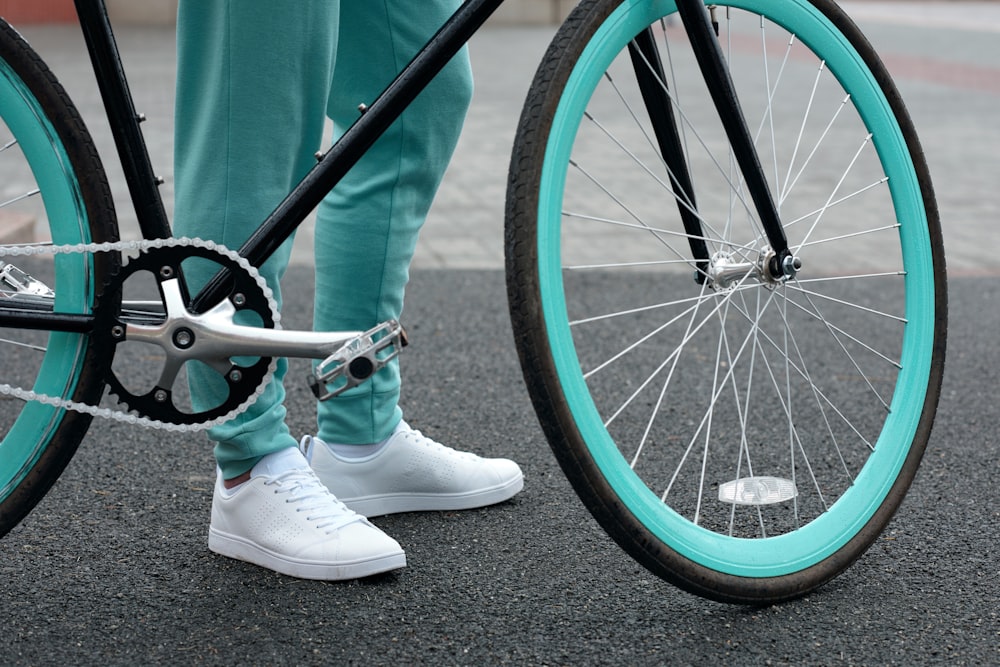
{"type": "Point", "coordinates": [412, 473]}
{"type": "Point", "coordinates": [284, 519]}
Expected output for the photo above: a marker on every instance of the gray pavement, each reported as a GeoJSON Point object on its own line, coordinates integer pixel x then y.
{"type": "Point", "coordinates": [112, 567]}
{"type": "Point", "coordinates": [944, 56]}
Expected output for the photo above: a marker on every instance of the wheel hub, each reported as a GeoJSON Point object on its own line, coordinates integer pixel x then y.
{"type": "Point", "coordinates": [727, 270]}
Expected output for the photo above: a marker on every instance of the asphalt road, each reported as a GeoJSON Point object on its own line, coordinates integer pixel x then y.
{"type": "Point", "coordinates": [112, 567]}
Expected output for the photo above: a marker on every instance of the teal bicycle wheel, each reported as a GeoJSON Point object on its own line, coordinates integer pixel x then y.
{"type": "Point", "coordinates": [54, 192]}
{"type": "Point", "coordinates": [742, 435]}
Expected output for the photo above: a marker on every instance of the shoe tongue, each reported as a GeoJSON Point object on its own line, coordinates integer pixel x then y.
{"type": "Point", "coordinates": [280, 462]}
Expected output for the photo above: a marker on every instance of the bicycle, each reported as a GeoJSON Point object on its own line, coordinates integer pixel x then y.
{"type": "Point", "coordinates": [727, 288]}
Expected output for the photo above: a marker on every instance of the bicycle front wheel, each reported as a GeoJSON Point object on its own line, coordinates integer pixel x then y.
{"type": "Point", "coordinates": [745, 435]}
{"type": "Point", "coordinates": [54, 192]}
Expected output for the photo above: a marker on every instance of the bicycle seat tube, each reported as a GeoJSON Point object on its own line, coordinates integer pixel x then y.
{"type": "Point", "coordinates": [142, 181]}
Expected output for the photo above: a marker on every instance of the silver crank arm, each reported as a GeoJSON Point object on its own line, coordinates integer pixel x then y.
{"type": "Point", "coordinates": [214, 338]}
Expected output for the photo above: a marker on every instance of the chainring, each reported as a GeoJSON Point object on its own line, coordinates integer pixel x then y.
{"type": "Point", "coordinates": [244, 292]}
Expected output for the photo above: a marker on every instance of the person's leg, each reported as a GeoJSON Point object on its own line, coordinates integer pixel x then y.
{"type": "Point", "coordinates": [253, 83]}
{"type": "Point", "coordinates": [367, 228]}
{"type": "Point", "coordinates": [366, 234]}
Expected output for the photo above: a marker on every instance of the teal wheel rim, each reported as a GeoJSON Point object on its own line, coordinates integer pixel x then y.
{"type": "Point", "coordinates": [59, 371]}
{"type": "Point", "coordinates": [812, 543]}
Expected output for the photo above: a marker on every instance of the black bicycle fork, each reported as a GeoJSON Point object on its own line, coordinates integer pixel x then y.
{"type": "Point", "coordinates": [703, 35]}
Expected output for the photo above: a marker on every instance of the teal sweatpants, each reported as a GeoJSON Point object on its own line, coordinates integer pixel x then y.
{"type": "Point", "coordinates": [256, 80]}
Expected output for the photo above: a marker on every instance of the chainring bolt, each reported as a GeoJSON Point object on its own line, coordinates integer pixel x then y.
{"type": "Point", "coordinates": [183, 338]}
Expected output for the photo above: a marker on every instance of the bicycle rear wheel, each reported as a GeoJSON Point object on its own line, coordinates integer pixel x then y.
{"type": "Point", "coordinates": [54, 189]}
{"type": "Point", "coordinates": [743, 436]}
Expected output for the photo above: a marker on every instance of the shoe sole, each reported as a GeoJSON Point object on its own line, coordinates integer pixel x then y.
{"type": "Point", "coordinates": [396, 503]}
{"type": "Point", "coordinates": [239, 549]}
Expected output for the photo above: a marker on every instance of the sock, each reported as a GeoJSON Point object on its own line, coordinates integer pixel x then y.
{"type": "Point", "coordinates": [283, 460]}
{"type": "Point", "coordinates": [361, 451]}
{"type": "Point", "coordinates": [357, 451]}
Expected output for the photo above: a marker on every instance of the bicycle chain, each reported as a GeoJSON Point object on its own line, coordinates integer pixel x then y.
{"type": "Point", "coordinates": [142, 246]}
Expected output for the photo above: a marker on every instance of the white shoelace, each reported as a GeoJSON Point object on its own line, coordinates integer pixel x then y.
{"type": "Point", "coordinates": [304, 487]}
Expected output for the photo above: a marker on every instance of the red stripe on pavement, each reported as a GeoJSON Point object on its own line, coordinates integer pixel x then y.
{"type": "Point", "coordinates": [956, 75]}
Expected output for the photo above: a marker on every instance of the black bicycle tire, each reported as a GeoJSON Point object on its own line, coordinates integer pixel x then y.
{"type": "Point", "coordinates": [536, 355]}
{"type": "Point", "coordinates": [95, 193]}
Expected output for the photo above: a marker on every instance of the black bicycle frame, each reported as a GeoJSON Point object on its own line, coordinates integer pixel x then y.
{"type": "Point", "coordinates": [371, 124]}
{"type": "Point", "coordinates": [329, 170]}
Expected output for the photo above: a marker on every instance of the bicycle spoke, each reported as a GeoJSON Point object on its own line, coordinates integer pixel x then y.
{"type": "Point", "coordinates": [626, 264]}
{"type": "Point", "coordinates": [663, 392]}
{"type": "Point", "coordinates": [711, 405]}
{"type": "Point", "coordinates": [857, 306]}
{"type": "Point", "coordinates": [658, 232]}
{"type": "Point", "coordinates": [652, 376]}
{"type": "Point", "coordinates": [833, 194]}
{"type": "Point", "coordinates": [854, 235]}
{"type": "Point", "coordinates": [815, 387]}
{"type": "Point", "coordinates": [22, 197]}
{"type": "Point", "coordinates": [836, 330]}
{"type": "Point", "coordinates": [17, 343]}
{"type": "Point", "coordinates": [829, 205]}
{"type": "Point", "coordinates": [640, 223]}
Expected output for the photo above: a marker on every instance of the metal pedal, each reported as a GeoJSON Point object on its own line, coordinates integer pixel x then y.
{"type": "Point", "coordinates": [357, 360]}
{"type": "Point", "coordinates": [14, 281]}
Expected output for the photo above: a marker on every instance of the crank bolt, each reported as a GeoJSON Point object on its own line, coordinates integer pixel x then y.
{"type": "Point", "coordinates": [160, 396]}
{"type": "Point", "coordinates": [166, 272]}
{"type": "Point", "coordinates": [235, 376]}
